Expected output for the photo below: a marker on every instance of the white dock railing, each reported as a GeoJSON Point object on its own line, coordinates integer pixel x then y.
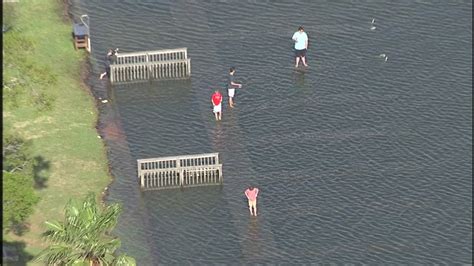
{"type": "Point", "coordinates": [161, 64]}
{"type": "Point", "coordinates": [180, 171]}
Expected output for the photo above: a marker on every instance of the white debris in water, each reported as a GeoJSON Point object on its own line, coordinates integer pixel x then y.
{"type": "Point", "coordinates": [384, 56]}
{"type": "Point", "coordinates": [373, 28]}
{"type": "Point", "coordinates": [373, 20]}
{"type": "Point", "coordinates": [104, 101]}
{"type": "Point", "coordinates": [99, 137]}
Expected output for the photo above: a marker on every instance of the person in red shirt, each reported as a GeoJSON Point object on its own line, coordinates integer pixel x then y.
{"type": "Point", "coordinates": [252, 193]}
{"type": "Point", "coordinates": [216, 100]}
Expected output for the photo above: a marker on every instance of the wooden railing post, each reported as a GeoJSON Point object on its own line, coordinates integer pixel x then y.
{"type": "Point", "coordinates": [112, 76]}
{"type": "Point", "coordinates": [189, 67]}
{"type": "Point", "coordinates": [148, 65]}
{"type": "Point", "coordinates": [180, 171]}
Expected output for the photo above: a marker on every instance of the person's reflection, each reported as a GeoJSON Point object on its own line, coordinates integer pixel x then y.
{"type": "Point", "coordinates": [299, 79]}
{"type": "Point", "coordinates": [252, 244]}
{"type": "Point", "coordinates": [218, 137]}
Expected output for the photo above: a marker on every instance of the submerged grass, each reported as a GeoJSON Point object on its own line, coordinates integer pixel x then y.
{"type": "Point", "coordinates": [46, 102]}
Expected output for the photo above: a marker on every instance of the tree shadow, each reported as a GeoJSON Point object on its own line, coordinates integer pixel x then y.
{"type": "Point", "coordinates": [13, 253]}
{"type": "Point", "coordinates": [20, 228]}
{"type": "Point", "coordinates": [40, 166]}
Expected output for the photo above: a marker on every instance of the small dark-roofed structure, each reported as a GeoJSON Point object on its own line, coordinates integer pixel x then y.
{"type": "Point", "coordinates": [81, 34]}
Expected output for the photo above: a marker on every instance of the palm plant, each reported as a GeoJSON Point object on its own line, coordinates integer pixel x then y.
{"type": "Point", "coordinates": [84, 236]}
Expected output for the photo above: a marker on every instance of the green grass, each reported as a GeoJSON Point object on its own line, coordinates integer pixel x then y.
{"type": "Point", "coordinates": [64, 136]}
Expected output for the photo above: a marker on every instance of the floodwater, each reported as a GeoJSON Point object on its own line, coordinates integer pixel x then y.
{"type": "Point", "coordinates": [358, 159]}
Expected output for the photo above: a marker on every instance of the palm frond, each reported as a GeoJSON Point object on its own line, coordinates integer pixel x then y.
{"type": "Point", "coordinates": [84, 235]}
{"type": "Point", "coordinates": [124, 260]}
{"type": "Point", "coordinates": [58, 254]}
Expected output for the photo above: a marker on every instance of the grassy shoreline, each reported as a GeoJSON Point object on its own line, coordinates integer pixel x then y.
{"type": "Point", "coordinates": [65, 137]}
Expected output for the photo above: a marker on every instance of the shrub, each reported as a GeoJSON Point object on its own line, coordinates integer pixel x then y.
{"type": "Point", "coordinates": [18, 199]}
{"type": "Point", "coordinates": [18, 183]}
{"type": "Point", "coordinates": [15, 154]}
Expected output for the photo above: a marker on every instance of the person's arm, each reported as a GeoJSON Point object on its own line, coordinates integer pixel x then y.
{"type": "Point", "coordinates": [236, 84]}
{"type": "Point", "coordinates": [246, 191]}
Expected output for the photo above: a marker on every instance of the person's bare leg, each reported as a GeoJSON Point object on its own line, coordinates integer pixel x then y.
{"type": "Point", "coordinates": [303, 59]}
{"type": "Point", "coordinates": [217, 118]}
{"type": "Point", "coordinates": [250, 208]}
{"type": "Point", "coordinates": [220, 115]}
{"type": "Point", "coordinates": [255, 209]}
{"type": "Point", "coordinates": [231, 102]}
{"type": "Point", "coordinates": [297, 61]}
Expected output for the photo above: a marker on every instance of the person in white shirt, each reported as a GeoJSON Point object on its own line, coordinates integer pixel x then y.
{"type": "Point", "coordinates": [301, 44]}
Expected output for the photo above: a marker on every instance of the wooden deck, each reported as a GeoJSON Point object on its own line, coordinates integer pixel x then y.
{"type": "Point", "coordinates": [160, 65]}
{"type": "Point", "coordinates": [180, 171]}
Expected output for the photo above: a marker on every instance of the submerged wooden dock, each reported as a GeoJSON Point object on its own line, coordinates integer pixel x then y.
{"type": "Point", "coordinates": [180, 171]}
{"type": "Point", "coordinates": [159, 65]}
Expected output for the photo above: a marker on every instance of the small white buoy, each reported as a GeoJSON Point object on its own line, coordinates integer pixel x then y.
{"type": "Point", "coordinates": [105, 101]}
{"type": "Point", "coordinates": [373, 28]}
{"type": "Point", "coordinates": [382, 55]}
{"type": "Point", "coordinates": [99, 137]}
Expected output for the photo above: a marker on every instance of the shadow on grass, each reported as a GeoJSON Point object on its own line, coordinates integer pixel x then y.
{"type": "Point", "coordinates": [39, 167]}
{"type": "Point", "coordinates": [20, 228]}
{"type": "Point", "coordinates": [14, 253]}
{"type": "Point", "coordinates": [9, 15]}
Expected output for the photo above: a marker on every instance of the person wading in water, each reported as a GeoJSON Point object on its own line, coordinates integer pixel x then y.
{"type": "Point", "coordinates": [252, 193]}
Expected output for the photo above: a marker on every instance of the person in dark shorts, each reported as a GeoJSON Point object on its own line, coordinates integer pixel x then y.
{"type": "Point", "coordinates": [301, 45]}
